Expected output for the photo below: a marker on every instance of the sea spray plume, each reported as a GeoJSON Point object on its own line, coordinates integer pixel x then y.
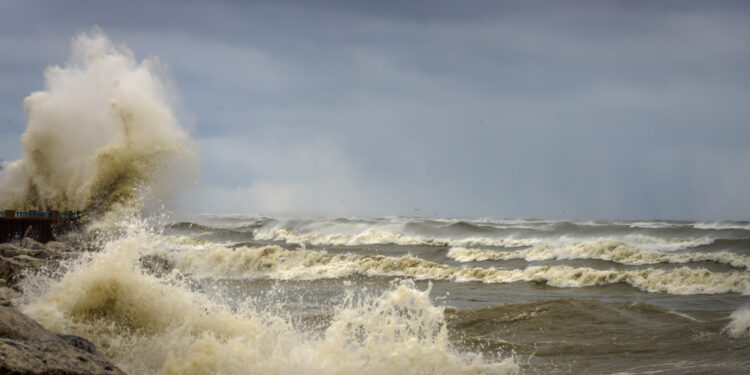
{"type": "Point", "coordinates": [100, 132]}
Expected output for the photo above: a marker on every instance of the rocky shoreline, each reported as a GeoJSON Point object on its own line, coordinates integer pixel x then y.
{"type": "Point", "coordinates": [25, 346]}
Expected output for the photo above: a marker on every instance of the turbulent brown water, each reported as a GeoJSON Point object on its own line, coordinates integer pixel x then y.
{"type": "Point", "coordinates": [408, 295]}
{"type": "Point", "coordinates": [558, 296]}
{"type": "Point", "coordinates": [260, 295]}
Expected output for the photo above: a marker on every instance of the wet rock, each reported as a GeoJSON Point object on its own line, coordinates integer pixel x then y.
{"type": "Point", "coordinates": [30, 261]}
{"type": "Point", "coordinates": [32, 244]}
{"type": "Point", "coordinates": [39, 250]}
{"type": "Point", "coordinates": [79, 342]}
{"type": "Point", "coordinates": [52, 357]}
{"type": "Point", "coordinates": [59, 247]}
{"type": "Point", "coordinates": [156, 264]}
{"type": "Point", "coordinates": [14, 259]}
{"type": "Point", "coordinates": [11, 269]}
{"type": "Point", "coordinates": [8, 293]}
{"type": "Point", "coordinates": [10, 250]}
{"type": "Point", "coordinates": [16, 326]}
{"type": "Point", "coordinates": [45, 254]}
{"type": "Point", "coordinates": [27, 348]}
{"type": "Point", "coordinates": [32, 248]}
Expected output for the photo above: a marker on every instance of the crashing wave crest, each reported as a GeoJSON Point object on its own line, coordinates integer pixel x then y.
{"type": "Point", "coordinates": [279, 263]}
{"type": "Point", "coordinates": [101, 131]}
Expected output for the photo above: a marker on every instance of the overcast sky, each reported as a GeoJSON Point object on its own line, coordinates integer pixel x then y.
{"type": "Point", "coordinates": [589, 110]}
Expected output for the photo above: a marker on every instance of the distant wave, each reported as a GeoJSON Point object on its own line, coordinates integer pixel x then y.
{"type": "Point", "coordinates": [373, 236]}
{"type": "Point", "coordinates": [722, 225]}
{"type": "Point", "coordinates": [278, 263]}
{"type": "Point", "coordinates": [652, 224]}
{"type": "Point", "coordinates": [660, 243]}
{"type": "Point", "coordinates": [608, 250]}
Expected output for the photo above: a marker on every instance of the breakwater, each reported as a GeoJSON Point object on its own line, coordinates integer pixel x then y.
{"type": "Point", "coordinates": [39, 225]}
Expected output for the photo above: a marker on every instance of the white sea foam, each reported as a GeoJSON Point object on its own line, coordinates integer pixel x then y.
{"type": "Point", "coordinates": [739, 326]}
{"type": "Point", "coordinates": [649, 224]}
{"type": "Point", "coordinates": [661, 243]}
{"type": "Point", "coordinates": [279, 263]}
{"type": "Point", "coordinates": [374, 236]}
{"type": "Point", "coordinates": [150, 325]}
{"type": "Point", "coordinates": [363, 234]}
{"type": "Point", "coordinates": [721, 225]}
{"type": "Point", "coordinates": [612, 251]}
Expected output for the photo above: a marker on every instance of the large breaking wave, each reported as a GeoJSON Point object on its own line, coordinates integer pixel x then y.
{"type": "Point", "coordinates": [101, 132]}
{"type": "Point", "coordinates": [100, 137]}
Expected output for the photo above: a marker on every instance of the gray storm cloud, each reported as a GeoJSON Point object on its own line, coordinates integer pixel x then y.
{"type": "Point", "coordinates": [589, 110]}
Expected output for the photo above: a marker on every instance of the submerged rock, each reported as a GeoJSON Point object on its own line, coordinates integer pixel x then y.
{"type": "Point", "coordinates": [32, 244]}
{"type": "Point", "coordinates": [15, 259]}
{"type": "Point", "coordinates": [11, 269]}
{"type": "Point", "coordinates": [59, 247]}
{"type": "Point", "coordinates": [8, 293]}
{"type": "Point", "coordinates": [28, 348]}
{"type": "Point", "coordinates": [16, 326]}
{"type": "Point", "coordinates": [79, 342]}
{"type": "Point", "coordinates": [10, 250]}
{"type": "Point", "coordinates": [156, 264]}
{"type": "Point", "coordinates": [51, 357]}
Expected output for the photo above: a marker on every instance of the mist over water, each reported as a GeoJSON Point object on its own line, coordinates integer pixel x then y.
{"type": "Point", "coordinates": [237, 294]}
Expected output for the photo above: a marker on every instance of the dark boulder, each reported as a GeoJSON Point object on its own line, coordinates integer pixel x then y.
{"type": "Point", "coordinates": [11, 269]}
{"type": "Point", "coordinates": [79, 342]}
{"type": "Point", "coordinates": [16, 326]}
{"type": "Point", "coordinates": [28, 348]}
{"type": "Point", "coordinates": [50, 358]}
{"type": "Point", "coordinates": [14, 259]}
{"type": "Point", "coordinates": [156, 264]}
{"type": "Point", "coordinates": [32, 244]}
{"type": "Point", "coordinates": [59, 247]}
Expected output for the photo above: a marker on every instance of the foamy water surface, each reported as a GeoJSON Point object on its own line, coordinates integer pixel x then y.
{"type": "Point", "coordinates": [329, 296]}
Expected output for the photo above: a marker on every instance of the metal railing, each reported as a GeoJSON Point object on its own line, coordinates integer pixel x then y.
{"type": "Point", "coordinates": [70, 215]}
{"type": "Point", "coordinates": [33, 214]}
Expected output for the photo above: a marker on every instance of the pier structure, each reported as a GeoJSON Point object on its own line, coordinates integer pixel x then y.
{"type": "Point", "coordinates": [39, 225]}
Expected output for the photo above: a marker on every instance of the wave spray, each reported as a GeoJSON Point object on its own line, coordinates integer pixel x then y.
{"type": "Point", "coordinates": [103, 129]}
{"type": "Point", "coordinates": [100, 131]}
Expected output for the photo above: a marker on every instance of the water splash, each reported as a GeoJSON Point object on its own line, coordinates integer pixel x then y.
{"type": "Point", "coordinates": [740, 324]}
{"type": "Point", "coordinates": [100, 133]}
{"type": "Point", "coordinates": [148, 324]}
